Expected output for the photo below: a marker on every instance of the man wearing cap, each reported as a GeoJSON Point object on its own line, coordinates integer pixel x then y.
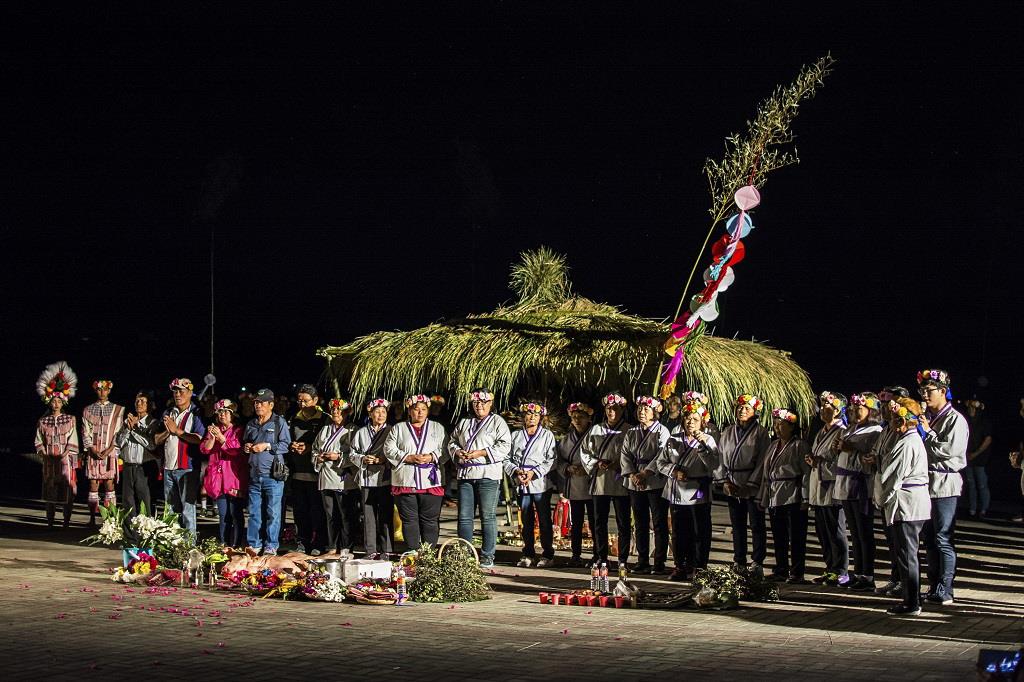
{"type": "Point", "coordinates": [304, 494]}
{"type": "Point", "coordinates": [100, 423]}
{"type": "Point", "coordinates": [266, 437]}
{"type": "Point", "coordinates": [181, 431]}
{"type": "Point", "coordinates": [945, 433]}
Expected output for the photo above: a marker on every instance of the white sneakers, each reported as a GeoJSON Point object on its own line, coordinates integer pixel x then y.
{"type": "Point", "coordinates": [545, 562]}
{"type": "Point", "coordinates": [525, 562]}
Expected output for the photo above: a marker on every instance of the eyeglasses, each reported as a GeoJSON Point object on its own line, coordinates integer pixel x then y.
{"type": "Point", "coordinates": [924, 392]}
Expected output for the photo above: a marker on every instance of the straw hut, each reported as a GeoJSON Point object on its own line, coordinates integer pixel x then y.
{"type": "Point", "coordinates": [554, 344]}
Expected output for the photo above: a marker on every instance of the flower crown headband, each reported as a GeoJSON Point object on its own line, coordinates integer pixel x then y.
{"type": "Point", "coordinates": [57, 381]}
{"type": "Point", "coordinates": [481, 396]}
{"type": "Point", "coordinates": [613, 399]}
{"type": "Point", "coordinates": [533, 408]}
{"type": "Point", "coordinates": [377, 402]}
{"type": "Point", "coordinates": [439, 399]}
{"type": "Point", "coordinates": [102, 383]}
{"type": "Point", "coordinates": [829, 398]}
{"type": "Point", "coordinates": [902, 412]}
{"type": "Point", "coordinates": [224, 404]}
{"type": "Point", "coordinates": [181, 383]}
{"type": "Point", "coordinates": [696, 408]}
{"type": "Point", "coordinates": [868, 401]}
{"type": "Point", "coordinates": [783, 414]}
{"type": "Point", "coordinates": [937, 375]}
{"type": "Point", "coordinates": [337, 404]}
{"type": "Point", "coordinates": [648, 401]}
{"type": "Point", "coordinates": [581, 407]}
{"type": "Point", "coordinates": [418, 398]}
{"type": "Point", "coordinates": [695, 397]}
{"type": "Point", "coordinates": [751, 400]}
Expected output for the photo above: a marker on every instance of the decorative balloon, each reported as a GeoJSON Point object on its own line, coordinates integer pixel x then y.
{"type": "Point", "coordinates": [726, 252]}
{"type": "Point", "coordinates": [209, 380]}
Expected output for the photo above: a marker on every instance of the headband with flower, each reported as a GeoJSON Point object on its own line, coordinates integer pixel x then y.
{"type": "Point", "coordinates": [648, 401]}
{"type": "Point", "coordinates": [337, 404]}
{"type": "Point", "coordinates": [418, 398]}
{"type": "Point", "coordinates": [581, 407]}
{"type": "Point", "coordinates": [181, 382]}
{"type": "Point", "coordinates": [613, 399]}
{"type": "Point", "coordinates": [224, 404]}
{"type": "Point", "coordinates": [936, 376]}
{"type": "Point", "coordinates": [481, 396]}
{"type": "Point", "coordinates": [438, 399]}
{"type": "Point", "coordinates": [696, 408]}
{"type": "Point", "coordinates": [102, 383]}
{"type": "Point", "coordinates": [533, 408]}
{"type": "Point", "coordinates": [751, 400]}
{"type": "Point", "coordinates": [57, 381]}
{"type": "Point", "coordinates": [695, 397]}
{"type": "Point", "coordinates": [783, 414]}
{"type": "Point", "coordinates": [866, 400]}
{"type": "Point", "coordinates": [377, 402]}
{"type": "Point", "coordinates": [902, 412]}
{"type": "Point", "coordinates": [829, 398]}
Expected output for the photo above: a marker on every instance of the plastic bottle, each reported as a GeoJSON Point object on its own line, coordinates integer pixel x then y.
{"type": "Point", "coordinates": [595, 577]}
{"type": "Point", "coordinates": [604, 577]}
{"type": "Point", "coordinates": [400, 585]}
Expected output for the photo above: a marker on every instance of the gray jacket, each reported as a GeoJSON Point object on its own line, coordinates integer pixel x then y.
{"type": "Point", "coordinates": [137, 445]}
{"type": "Point", "coordinates": [367, 442]}
{"type": "Point", "coordinates": [640, 447]}
{"type": "Point", "coordinates": [822, 478]}
{"type": "Point", "coordinates": [536, 454]}
{"type": "Point", "coordinates": [492, 435]}
{"type": "Point", "coordinates": [946, 443]}
{"type": "Point", "coordinates": [852, 479]}
{"type": "Point", "coordinates": [401, 441]}
{"type": "Point", "coordinates": [574, 487]}
{"type": "Point", "coordinates": [604, 444]}
{"type": "Point", "coordinates": [698, 460]}
{"type": "Point", "coordinates": [786, 474]}
{"type": "Point", "coordinates": [742, 454]}
{"type": "Point", "coordinates": [338, 474]}
{"type": "Point", "coordinates": [905, 480]}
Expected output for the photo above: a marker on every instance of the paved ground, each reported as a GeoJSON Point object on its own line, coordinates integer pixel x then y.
{"type": "Point", "coordinates": [63, 618]}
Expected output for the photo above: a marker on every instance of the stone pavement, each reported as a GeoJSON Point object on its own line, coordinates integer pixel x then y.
{"type": "Point", "coordinates": [64, 619]}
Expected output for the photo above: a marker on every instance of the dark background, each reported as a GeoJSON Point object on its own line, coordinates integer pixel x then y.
{"type": "Point", "coordinates": [343, 160]}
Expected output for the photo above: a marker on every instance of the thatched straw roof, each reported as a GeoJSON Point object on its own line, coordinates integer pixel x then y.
{"type": "Point", "coordinates": [563, 345]}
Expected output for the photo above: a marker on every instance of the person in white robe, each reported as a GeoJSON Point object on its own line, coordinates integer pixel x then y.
{"type": "Point", "coordinates": [784, 493]}
{"type": "Point", "coordinates": [600, 456]}
{"type": "Point", "coordinates": [575, 481]}
{"type": "Point", "coordinates": [640, 446]}
{"type": "Point", "coordinates": [530, 461]}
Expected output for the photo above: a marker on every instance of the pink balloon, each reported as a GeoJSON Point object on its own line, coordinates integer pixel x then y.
{"type": "Point", "coordinates": [747, 198]}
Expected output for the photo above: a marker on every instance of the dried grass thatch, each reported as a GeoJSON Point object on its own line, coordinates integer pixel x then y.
{"type": "Point", "coordinates": [559, 346]}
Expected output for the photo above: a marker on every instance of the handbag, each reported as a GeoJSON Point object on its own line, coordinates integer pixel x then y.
{"type": "Point", "coordinates": [278, 468]}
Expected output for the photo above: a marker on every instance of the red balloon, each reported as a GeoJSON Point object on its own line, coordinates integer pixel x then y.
{"type": "Point", "coordinates": [719, 247]}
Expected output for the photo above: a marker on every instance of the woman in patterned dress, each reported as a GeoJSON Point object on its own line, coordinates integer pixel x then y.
{"type": "Point", "coordinates": [56, 440]}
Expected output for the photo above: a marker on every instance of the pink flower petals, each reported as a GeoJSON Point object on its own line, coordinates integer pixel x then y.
{"type": "Point", "coordinates": [565, 632]}
{"type": "Point", "coordinates": [61, 616]}
{"type": "Point", "coordinates": [346, 625]}
{"type": "Point", "coordinates": [220, 645]}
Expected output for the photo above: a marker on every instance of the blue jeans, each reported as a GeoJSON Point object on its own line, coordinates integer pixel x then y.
{"type": "Point", "coordinates": [181, 490]}
{"type": "Point", "coordinates": [231, 514]}
{"type": "Point", "coordinates": [976, 479]}
{"type": "Point", "coordinates": [486, 491]}
{"type": "Point", "coordinates": [265, 496]}
{"type": "Point", "coordinates": [938, 540]}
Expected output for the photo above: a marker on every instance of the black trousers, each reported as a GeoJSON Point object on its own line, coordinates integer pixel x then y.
{"type": "Point", "coordinates": [602, 509]}
{"type": "Point", "coordinates": [135, 489]}
{"type": "Point", "coordinates": [419, 513]}
{"type": "Point", "coordinates": [890, 541]}
{"type": "Point", "coordinates": [649, 506]}
{"type": "Point", "coordinates": [378, 519]}
{"type": "Point", "coordinates": [907, 534]}
{"type": "Point", "coordinates": [742, 510]}
{"type": "Point", "coordinates": [542, 503]}
{"type": "Point", "coordinates": [341, 508]}
{"type": "Point", "coordinates": [862, 532]}
{"type": "Point", "coordinates": [830, 526]}
{"type": "Point", "coordinates": [789, 534]}
{"type": "Point", "coordinates": [576, 510]}
{"type": "Point", "coordinates": [691, 535]}
{"type": "Point", "coordinates": [308, 510]}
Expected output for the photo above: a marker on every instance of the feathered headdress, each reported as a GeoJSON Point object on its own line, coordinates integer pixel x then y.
{"type": "Point", "coordinates": [57, 380]}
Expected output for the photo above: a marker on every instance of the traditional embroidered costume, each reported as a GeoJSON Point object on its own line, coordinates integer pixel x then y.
{"type": "Point", "coordinates": [640, 446]}
{"type": "Point", "coordinates": [374, 483]}
{"type": "Point", "coordinates": [56, 441]}
{"type": "Point", "coordinates": [601, 457]}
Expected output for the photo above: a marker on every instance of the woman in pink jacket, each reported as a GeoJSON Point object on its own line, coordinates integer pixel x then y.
{"type": "Point", "coordinates": [227, 474]}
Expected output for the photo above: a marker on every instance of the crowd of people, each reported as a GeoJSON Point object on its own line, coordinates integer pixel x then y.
{"type": "Point", "coordinates": [347, 469]}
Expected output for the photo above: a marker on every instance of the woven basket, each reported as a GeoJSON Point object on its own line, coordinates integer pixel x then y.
{"type": "Point", "coordinates": [446, 543]}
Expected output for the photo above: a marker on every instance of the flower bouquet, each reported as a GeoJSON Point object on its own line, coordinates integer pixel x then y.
{"type": "Point", "coordinates": [374, 591]}
{"type": "Point", "coordinates": [138, 569]}
{"type": "Point", "coordinates": [265, 583]}
{"type": "Point", "coordinates": [319, 586]}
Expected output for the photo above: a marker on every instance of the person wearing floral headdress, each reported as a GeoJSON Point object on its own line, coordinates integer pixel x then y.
{"type": "Point", "coordinates": [530, 458]}
{"type": "Point", "coordinates": [742, 446]}
{"type": "Point", "coordinates": [873, 463]}
{"type": "Point", "coordinates": [946, 435]}
{"type": "Point", "coordinates": [710, 427]}
{"type": "Point", "coordinates": [181, 431]}
{"type": "Point", "coordinates": [304, 477]}
{"type": "Point", "coordinates": [829, 517]}
{"type": "Point", "coordinates": [374, 476]}
{"type": "Point", "coordinates": [640, 446]}
{"type": "Point", "coordinates": [784, 492]}
{"type": "Point", "coordinates": [227, 473]}
{"type": "Point", "coordinates": [906, 506]}
{"type": "Point", "coordinates": [56, 440]}
{"type": "Point", "coordinates": [415, 449]}
{"type": "Point", "coordinates": [478, 445]}
{"type": "Point", "coordinates": [100, 423]}
{"type": "Point", "coordinates": [337, 479]}
{"type": "Point", "coordinates": [688, 461]}
{"type": "Point", "coordinates": [575, 480]}
{"type": "Point", "coordinates": [852, 486]}
{"type": "Point", "coordinates": [600, 455]}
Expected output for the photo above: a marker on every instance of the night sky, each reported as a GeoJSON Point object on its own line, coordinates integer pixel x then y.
{"type": "Point", "coordinates": [381, 172]}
